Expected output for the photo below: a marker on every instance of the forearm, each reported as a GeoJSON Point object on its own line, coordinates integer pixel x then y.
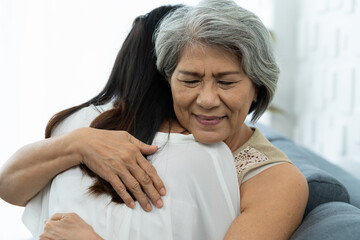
{"type": "Point", "coordinates": [247, 227]}
{"type": "Point", "coordinates": [239, 231]}
{"type": "Point", "coordinates": [33, 166]}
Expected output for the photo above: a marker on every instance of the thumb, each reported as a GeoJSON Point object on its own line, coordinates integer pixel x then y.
{"type": "Point", "coordinates": [144, 148]}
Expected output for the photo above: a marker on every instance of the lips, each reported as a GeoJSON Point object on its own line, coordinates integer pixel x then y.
{"type": "Point", "coordinates": [208, 120]}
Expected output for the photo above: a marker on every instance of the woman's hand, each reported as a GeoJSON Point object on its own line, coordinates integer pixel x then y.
{"type": "Point", "coordinates": [116, 156]}
{"type": "Point", "coordinates": [68, 226]}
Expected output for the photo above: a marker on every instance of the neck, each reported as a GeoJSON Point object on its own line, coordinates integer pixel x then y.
{"type": "Point", "coordinates": [239, 138]}
{"type": "Point", "coordinates": [173, 126]}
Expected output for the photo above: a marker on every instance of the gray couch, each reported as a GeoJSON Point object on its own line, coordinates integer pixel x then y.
{"type": "Point", "coordinates": [333, 209]}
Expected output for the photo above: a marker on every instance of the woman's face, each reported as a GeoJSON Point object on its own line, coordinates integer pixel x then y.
{"type": "Point", "coordinates": [212, 95]}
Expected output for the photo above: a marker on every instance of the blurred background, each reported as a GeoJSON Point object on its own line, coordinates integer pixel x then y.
{"type": "Point", "coordinates": [56, 54]}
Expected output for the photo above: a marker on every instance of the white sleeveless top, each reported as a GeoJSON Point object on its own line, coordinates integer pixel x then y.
{"type": "Point", "coordinates": [202, 197]}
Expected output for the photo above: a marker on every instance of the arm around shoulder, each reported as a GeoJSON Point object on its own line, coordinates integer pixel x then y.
{"type": "Point", "coordinates": [272, 204]}
{"type": "Point", "coordinates": [33, 166]}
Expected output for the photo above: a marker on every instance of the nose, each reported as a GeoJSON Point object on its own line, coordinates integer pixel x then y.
{"type": "Point", "coordinates": [208, 97]}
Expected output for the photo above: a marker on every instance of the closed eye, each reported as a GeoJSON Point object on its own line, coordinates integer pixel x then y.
{"type": "Point", "coordinates": [190, 82]}
{"type": "Point", "coordinates": [226, 83]}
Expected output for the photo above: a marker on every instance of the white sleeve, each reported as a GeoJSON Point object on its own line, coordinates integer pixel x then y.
{"type": "Point", "coordinates": [81, 118]}
{"type": "Point", "coordinates": [37, 209]}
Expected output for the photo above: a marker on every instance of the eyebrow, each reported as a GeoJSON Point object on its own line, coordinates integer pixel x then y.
{"type": "Point", "coordinates": [196, 74]}
{"type": "Point", "coordinates": [221, 74]}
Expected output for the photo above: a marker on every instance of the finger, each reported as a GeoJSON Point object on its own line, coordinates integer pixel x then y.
{"type": "Point", "coordinates": [120, 189]}
{"type": "Point", "coordinates": [135, 188]}
{"type": "Point", "coordinates": [57, 216]}
{"type": "Point", "coordinates": [45, 236]}
{"type": "Point", "coordinates": [147, 185]}
{"type": "Point", "coordinates": [144, 148]}
{"type": "Point", "coordinates": [150, 170]}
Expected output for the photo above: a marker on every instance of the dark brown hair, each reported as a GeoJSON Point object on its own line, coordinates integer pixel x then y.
{"type": "Point", "coordinates": [141, 95]}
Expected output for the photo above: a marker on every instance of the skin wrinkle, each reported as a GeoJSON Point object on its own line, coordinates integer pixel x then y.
{"type": "Point", "coordinates": [210, 82]}
{"type": "Point", "coordinates": [236, 30]}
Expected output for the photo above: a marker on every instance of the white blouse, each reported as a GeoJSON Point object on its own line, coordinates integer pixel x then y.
{"type": "Point", "coordinates": [202, 197]}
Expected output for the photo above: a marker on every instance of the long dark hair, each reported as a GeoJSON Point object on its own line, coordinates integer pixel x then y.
{"type": "Point", "coordinates": [141, 95]}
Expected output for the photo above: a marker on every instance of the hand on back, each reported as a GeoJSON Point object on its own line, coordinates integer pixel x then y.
{"type": "Point", "coordinates": [117, 157]}
{"type": "Point", "coordinates": [68, 226]}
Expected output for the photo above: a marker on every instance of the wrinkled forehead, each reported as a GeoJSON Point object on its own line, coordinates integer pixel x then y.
{"type": "Point", "coordinates": [196, 51]}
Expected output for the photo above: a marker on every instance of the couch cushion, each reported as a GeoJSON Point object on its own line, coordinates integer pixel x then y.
{"type": "Point", "coordinates": [323, 187]}
{"type": "Point", "coordinates": [330, 221]}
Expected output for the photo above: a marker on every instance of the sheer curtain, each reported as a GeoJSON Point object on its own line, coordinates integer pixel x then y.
{"type": "Point", "coordinates": [54, 55]}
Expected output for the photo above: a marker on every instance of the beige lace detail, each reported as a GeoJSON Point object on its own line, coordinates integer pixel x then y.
{"type": "Point", "coordinates": [248, 157]}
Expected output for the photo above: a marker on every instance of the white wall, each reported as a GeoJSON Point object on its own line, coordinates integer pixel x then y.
{"type": "Point", "coordinates": [284, 29]}
{"type": "Point", "coordinates": [327, 99]}
{"type": "Point", "coordinates": [319, 88]}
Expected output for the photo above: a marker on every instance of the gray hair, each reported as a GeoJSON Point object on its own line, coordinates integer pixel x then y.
{"type": "Point", "coordinates": [223, 24]}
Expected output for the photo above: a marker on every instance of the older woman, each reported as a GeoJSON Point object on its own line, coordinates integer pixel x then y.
{"type": "Point", "coordinates": [218, 59]}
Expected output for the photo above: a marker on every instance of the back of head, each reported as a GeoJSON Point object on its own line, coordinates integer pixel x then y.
{"type": "Point", "coordinates": [222, 24]}
{"type": "Point", "coordinates": [141, 95]}
{"type": "Point", "coordinates": [134, 86]}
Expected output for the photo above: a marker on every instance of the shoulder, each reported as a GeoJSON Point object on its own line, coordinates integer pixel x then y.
{"type": "Point", "coordinates": [257, 153]}
{"type": "Point", "coordinates": [188, 143]}
{"type": "Point", "coordinates": [258, 146]}
{"type": "Point", "coordinates": [81, 118]}
{"type": "Point", "coordinates": [282, 193]}
{"type": "Point", "coordinates": [186, 148]}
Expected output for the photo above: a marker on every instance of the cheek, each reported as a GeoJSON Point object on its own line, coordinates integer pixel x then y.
{"type": "Point", "coordinates": [240, 106]}
{"type": "Point", "coordinates": [180, 97]}
{"type": "Point", "coordinates": [181, 105]}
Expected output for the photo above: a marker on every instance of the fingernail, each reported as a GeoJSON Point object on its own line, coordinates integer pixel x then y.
{"type": "Point", "coordinates": [132, 204]}
{"type": "Point", "coordinates": [162, 191]}
{"type": "Point", "coordinates": [46, 221]}
{"type": "Point", "coordinates": [159, 203]}
{"type": "Point", "coordinates": [148, 207]}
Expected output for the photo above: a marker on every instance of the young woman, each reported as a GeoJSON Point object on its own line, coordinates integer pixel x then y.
{"type": "Point", "coordinates": [203, 194]}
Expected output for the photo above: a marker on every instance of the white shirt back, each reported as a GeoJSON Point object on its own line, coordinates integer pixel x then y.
{"type": "Point", "coordinates": [201, 202]}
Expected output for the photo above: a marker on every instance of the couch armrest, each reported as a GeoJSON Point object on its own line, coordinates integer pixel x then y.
{"type": "Point", "coordinates": [330, 221]}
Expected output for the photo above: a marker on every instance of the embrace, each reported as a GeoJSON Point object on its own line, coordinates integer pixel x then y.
{"type": "Point", "coordinates": [163, 151]}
